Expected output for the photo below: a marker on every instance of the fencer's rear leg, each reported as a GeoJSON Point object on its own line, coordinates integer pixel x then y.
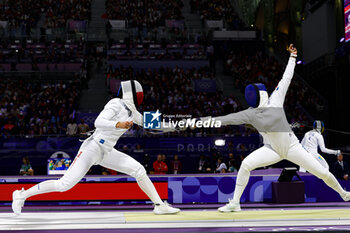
{"type": "Point", "coordinates": [80, 166]}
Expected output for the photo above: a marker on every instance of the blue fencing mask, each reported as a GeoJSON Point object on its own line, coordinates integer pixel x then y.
{"type": "Point", "coordinates": [256, 95]}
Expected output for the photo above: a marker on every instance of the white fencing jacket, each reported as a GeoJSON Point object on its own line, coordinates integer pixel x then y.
{"type": "Point", "coordinates": [106, 133]}
{"type": "Point", "coordinates": [314, 139]}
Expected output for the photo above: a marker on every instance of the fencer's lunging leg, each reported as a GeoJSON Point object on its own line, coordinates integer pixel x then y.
{"type": "Point", "coordinates": [300, 156]}
{"type": "Point", "coordinates": [122, 162]}
{"type": "Point", "coordinates": [119, 161]}
{"type": "Point", "coordinates": [261, 157]}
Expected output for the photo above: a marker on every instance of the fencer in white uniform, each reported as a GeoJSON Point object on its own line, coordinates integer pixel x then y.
{"type": "Point", "coordinates": [266, 114]}
{"type": "Point", "coordinates": [116, 118]}
{"type": "Point", "coordinates": [313, 140]}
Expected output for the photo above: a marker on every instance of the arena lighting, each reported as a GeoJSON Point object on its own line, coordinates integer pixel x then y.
{"type": "Point", "coordinates": [299, 62]}
{"type": "Point", "coordinates": [342, 39]}
{"type": "Point", "coordinates": [219, 142]}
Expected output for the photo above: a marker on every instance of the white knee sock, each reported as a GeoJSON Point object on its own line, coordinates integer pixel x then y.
{"type": "Point", "coordinates": [241, 182]}
{"type": "Point", "coordinates": [43, 187]}
{"type": "Point", "coordinates": [147, 186]}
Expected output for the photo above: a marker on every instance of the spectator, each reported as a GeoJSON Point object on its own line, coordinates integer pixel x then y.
{"type": "Point", "coordinates": [9, 128]}
{"type": "Point", "coordinates": [146, 163]}
{"type": "Point", "coordinates": [159, 166]}
{"type": "Point", "coordinates": [138, 149]}
{"type": "Point", "coordinates": [202, 164]}
{"type": "Point", "coordinates": [340, 168]}
{"type": "Point", "coordinates": [26, 168]}
{"type": "Point", "coordinates": [213, 160]}
{"type": "Point", "coordinates": [164, 158]}
{"type": "Point", "coordinates": [107, 171]}
{"type": "Point", "coordinates": [72, 128]}
{"type": "Point", "coordinates": [232, 165]}
{"type": "Point", "coordinates": [104, 171]}
{"type": "Point", "coordinates": [176, 165]}
{"type": "Point", "coordinates": [125, 149]}
{"type": "Point", "coordinates": [221, 166]}
{"type": "Point", "coordinates": [83, 127]}
{"type": "Point", "coordinates": [230, 147]}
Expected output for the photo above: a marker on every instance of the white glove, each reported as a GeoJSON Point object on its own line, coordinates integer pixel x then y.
{"type": "Point", "coordinates": [338, 152]}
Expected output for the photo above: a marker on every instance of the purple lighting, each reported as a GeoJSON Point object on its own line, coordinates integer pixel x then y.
{"type": "Point", "coordinates": [298, 62]}
{"type": "Point", "coordinates": [342, 39]}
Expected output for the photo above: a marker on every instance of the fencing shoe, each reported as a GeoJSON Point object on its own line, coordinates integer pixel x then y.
{"type": "Point", "coordinates": [17, 201]}
{"type": "Point", "coordinates": [230, 207]}
{"type": "Point", "coordinates": [165, 208]}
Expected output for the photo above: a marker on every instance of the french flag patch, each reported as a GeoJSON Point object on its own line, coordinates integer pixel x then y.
{"type": "Point", "coordinates": [102, 141]}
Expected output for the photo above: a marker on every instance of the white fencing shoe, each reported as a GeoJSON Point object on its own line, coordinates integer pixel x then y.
{"type": "Point", "coordinates": [346, 196]}
{"type": "Point", "coordinates": [165, 208]}
{"type": "Point", "coordinates": [17, 201]}
{"type": "Point", "coordinates": [230, 207]}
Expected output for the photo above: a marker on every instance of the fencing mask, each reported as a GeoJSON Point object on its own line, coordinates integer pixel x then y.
{"type": "Point", "coordinates": [256, 95]}
{"type": "Point", "coordinates": [319, 126]}
{"type": "Point", "coordinates": [131, 91]}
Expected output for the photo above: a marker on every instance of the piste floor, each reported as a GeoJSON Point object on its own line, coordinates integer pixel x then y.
{"type": "Point", "coordinates": [195, 218]}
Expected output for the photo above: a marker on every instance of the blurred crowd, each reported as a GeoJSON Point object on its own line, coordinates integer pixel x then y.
{"type": "Point", "coordinates": [23, 15]}
{"type": "Point", "coordinates": [217, 10]}
{"type": "Point", "coordinates": [58, 12]}
{"type": "Point", "coordinates": [144, 14]}
{"type": "Point", "coordinates": [37, 108]}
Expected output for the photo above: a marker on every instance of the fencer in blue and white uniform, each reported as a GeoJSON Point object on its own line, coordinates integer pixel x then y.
{"type": "Point", "coordinates": [267, 115]}
{"type": "Point", "coordinates": [313, 140]}
{"type": "Point", "coordinates": [115, 119]}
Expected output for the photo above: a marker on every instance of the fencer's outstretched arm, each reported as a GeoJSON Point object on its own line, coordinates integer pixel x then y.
{"type": "Point", "coordinates": [238, 118]}
{"type": "Point", "coordinates": [277, 97]}
{"type": "Point", "coordinates": [323, 148]}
